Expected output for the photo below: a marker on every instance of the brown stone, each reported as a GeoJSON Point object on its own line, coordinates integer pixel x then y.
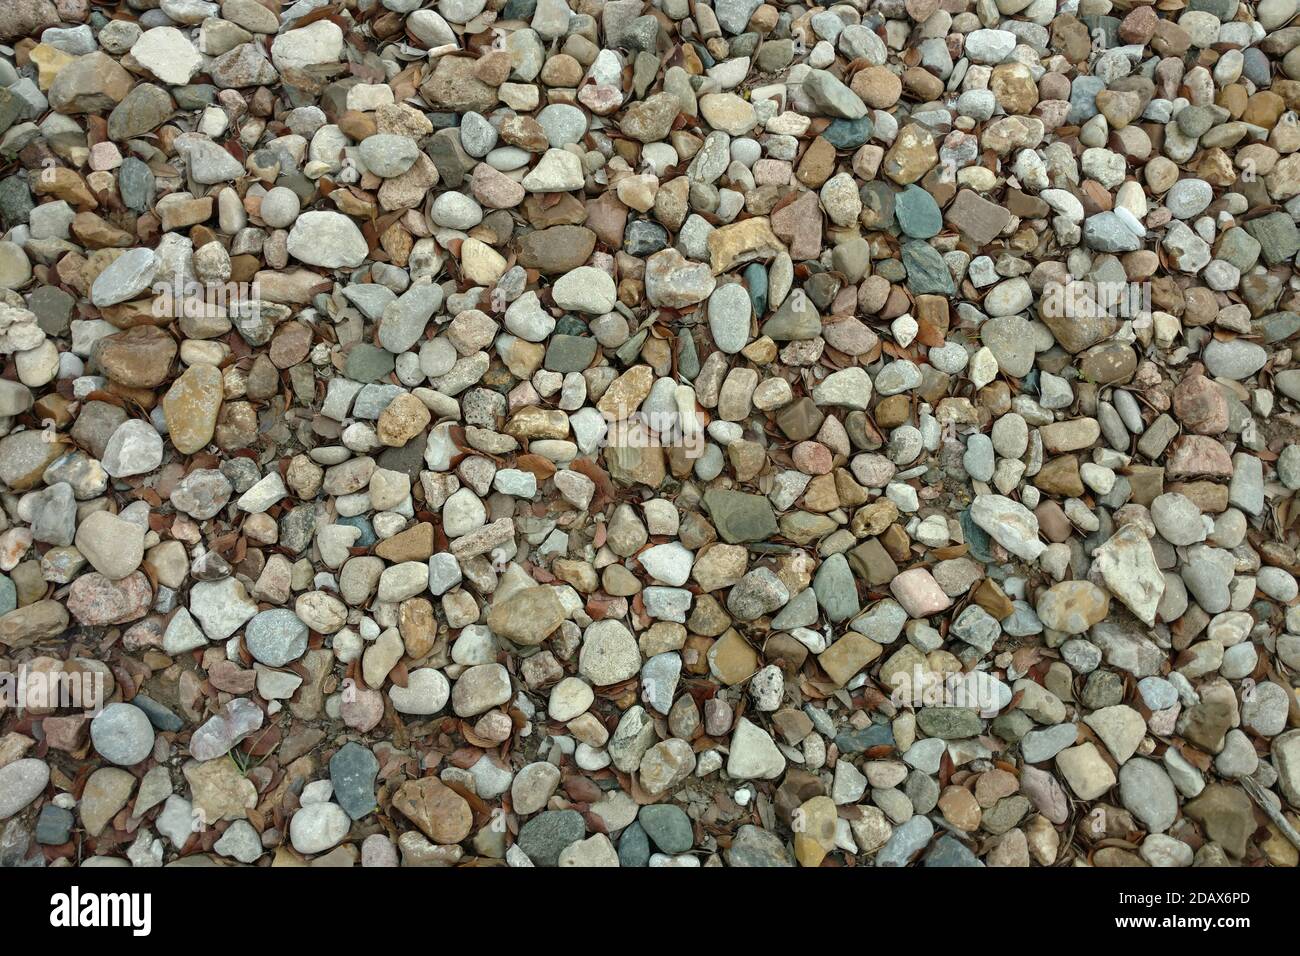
{"type": "Point", "coordinates": [140, 357]}
{"type": "Point", "coordinates": [191, 407]}
{"type": "Point", "coordinates": [557, 249]}
{"type": "Point", "coordinates": [404, 418]}
{"type": "Point", "coordinates": [1195, 455]}
{"type": "Point", "coordinates": [1200, 406]}
{"type": "Point", "coordinates": [453, 85]}
{"type": "Point", "coordinates": [442, 814]}
{"type": "Point", "coordinates": [413, 544]}
{"type": "Point", "coordinates": [847, 656]}
{"type": "Point", "coordinates": [731, 659]}
{"type": "Point", "coordinates": [1060, 476]}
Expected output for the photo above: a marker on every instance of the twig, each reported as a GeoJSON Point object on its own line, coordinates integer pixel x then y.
{"type": "Point", "coordinates": [1282, 823]}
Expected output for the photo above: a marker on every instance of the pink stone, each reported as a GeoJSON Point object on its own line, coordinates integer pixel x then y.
{"type": "Point", "coordinates": [1052, 112]}
{"type": "Point", "coordinates": [104, 156]}
{"type": "Point", "coordinates": [230, 677]}
{"type": "Point", "coordinates": [834, 437]}
{"type": "Point", "coordinates": [362, 708]}
{"type": "Point", "coordinates": [717, 717]}
{"type": "Point", "coordinates": [494, 189]}
{"type": "Point", "coordinates": [72, 11]}
{"type": "Point", "coordinates": [919, 593]}
{"type": "Point", "coordinates": [1200, 405]}
{"type": "Point", "coordinates": [849, 335]}
{"type": "Point", "coordinates": [378, 850]}
{"type": "Point", "coordinates": [13, 545]}
{"type": "Point", "coordinates": [771, 172]}
{"type": "Point", "coordinates": [1163, 722]}
{"type": "Point", "coordinates": [65, 733]}
{"type": "Point", "coordinates": [495, 726]}
{"type": "Point", "coordinates": [523, 395]}
{"type": "Point", "coordinates": [872, 471]}
{"type": "Point", "coordinates": [147, 633]}
{"type": "Point", "coordinates": [1045, 794]}
{"type": "Point", "coordinates": [1194, 455]}
{"type": "Point", "coordinates": [601, 100]}
{"type": "Point", "coordinates": [812, 458]}
{"type": "Point", "coordinates": [800, 225]}
{"type": "Point", "coordinates": [95, 601]}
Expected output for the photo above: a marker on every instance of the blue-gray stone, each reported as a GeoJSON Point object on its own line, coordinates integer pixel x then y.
{"type": "Point", "coordinates": [836, 589]}
{"type": "Point", "coordinates": [1277, 235]}
{"type": "Point", "coordinates": [1277, 326]}
{"type": "Point", "coordinates": [135, 183]}
{"type": "Point", "coordinates": [949, 851]}
{"type": "Point", "coordinates": [633, 846]}
{"type": "Point", "coordinates": [977, 539]}
{"type": "Point", "coordinates": [688, 357]}
{"type": "Point", "coordinates": [668, 826]}
{"type": "Point", "coordinates": [917, 213]}
{"type": "Point", "coordinates": [756, 281]}
{"type": "Point", "coordinates": [1022, 621]}
{"type": "Point", "coordinates": [15, 201]}
{"type": "Point", "coordinates": [11, 107]}
{"type": "Point", "coordinates": [194, 96]}
{"type": "Point", "coordinates": [878, 204]}
{"type": "Point", "coordinates": [1255, 67]}
{"type": "Point", "coordinates": [519, 10]}
{"type": "Point", "coordinates": [1039, 745]}
{"type": "Point", "coordinates": [856, 740]}
{"type": "Point", "coordinates": [352, 772]}
{"type": "Point", "coordinates": [1109, 27]}
{"type": "Point", "coordinates": [1225, 10]}
{"type": "Point", "coordinates": [756, 847]}
{"type": "Point", "coordinates": [54, 825]}
{"type": "Point", "coordinates": [740, 517]}
{"type": "Point", "coordinates": [641, 237]}
{"type": "Point", "coordinates": [927, 273]}
{"type": "Point", "coordinates": [276, 637]}
{"type": "Point", "coordinates": [162, 718]}
{"type": "Point", "coordinates": [368, 363]}
{"type": "Point", "coordinates": [908, 840]}
{"type": "Point", "coordinates": [368, 536]}
{"type": "Point", "coordinates": [569, 353]}
{"type": "Point", "coordinates": [1083, 99]}
{"type": "Point", "coordinates": [1107, 232]}
{"type": "Point", "coordinates": [546, 835]}
{"type": "Point", "coordinates": [8, 595]}
{"type": "Point", "coordinates": [949, 723]}
{"type": "Point", "coordinates": [849, 134]}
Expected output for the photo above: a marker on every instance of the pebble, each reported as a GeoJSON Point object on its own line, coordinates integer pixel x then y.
{"type": "Point", "coordinates": [21, 782]}
{"type": "Point", "coordinates": [318, 827]}
{"type": "Point", "coordinates": [275, 637]}
{"type": "Point", "coordinates": [122, 734]}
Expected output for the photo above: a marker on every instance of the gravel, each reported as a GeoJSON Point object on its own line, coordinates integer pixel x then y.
{"type": "Point", "coordinates": [823, 436]}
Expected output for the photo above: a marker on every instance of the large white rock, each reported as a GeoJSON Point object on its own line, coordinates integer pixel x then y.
{"type": "Point", "coordinates": [585, 289]}
{"type": "Point", "coordinates": [312, 45]}
{"type": "Point", "coordinates": [318, 827]}
{"type": "Point", "coordinates": [327, 239]}
{"type": "Point", "coordinates": [754, 755]}
{"type": "Point", "coordinates": [558, 171]}
{"type": "Point", "coordinates": [1010, 524]}
{"type": "Point", "coordinates": [21, 782]}
{"type": "Point", "coordinates": [1128, 567]}
{"type": "Point", "coordinates": [168, 54]}
{"type": "Point", "coordinates": [113, 546]}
